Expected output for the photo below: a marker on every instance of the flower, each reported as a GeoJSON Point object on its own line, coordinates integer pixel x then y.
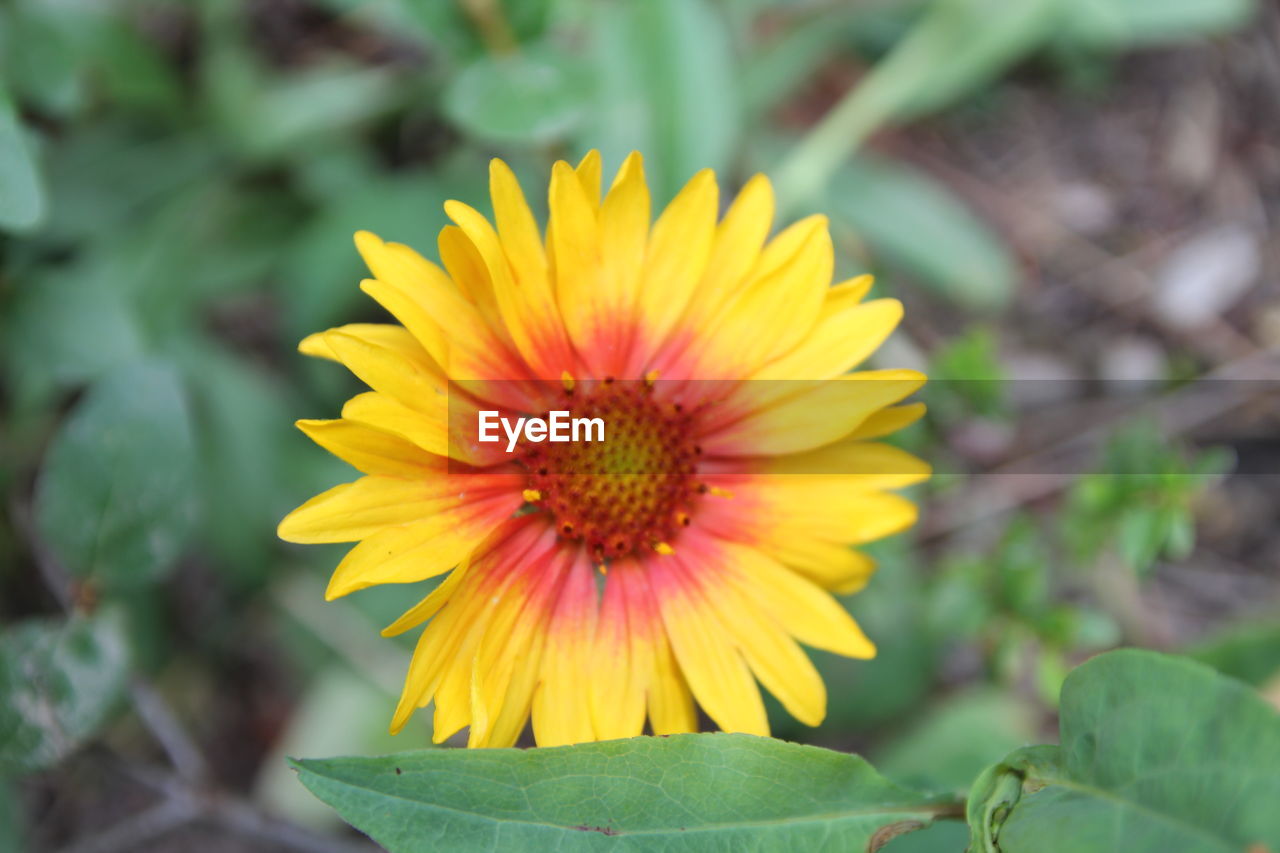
{"type": "Point", "coordinates": [579, 591]}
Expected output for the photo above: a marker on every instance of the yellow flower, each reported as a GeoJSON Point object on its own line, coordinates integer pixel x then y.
{"type": "Point", "coordinates": [594, 586]}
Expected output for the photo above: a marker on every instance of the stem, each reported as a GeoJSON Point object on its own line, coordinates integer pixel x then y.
{"type": "Point", "coordinates": [136, 830]}
{"type": "Point", "coordinates": [491, 22]}
{"type": "Point", "coordinates": [186, 798]}
{"type": "Point", "coordinates": [810, 163]}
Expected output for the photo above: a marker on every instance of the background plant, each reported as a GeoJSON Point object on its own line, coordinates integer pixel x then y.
{"type": "Point", "coordinates": [1074, 198]}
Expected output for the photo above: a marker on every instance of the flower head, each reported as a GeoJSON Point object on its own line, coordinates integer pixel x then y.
{"type": "Point", "coordinates": [594, 585]}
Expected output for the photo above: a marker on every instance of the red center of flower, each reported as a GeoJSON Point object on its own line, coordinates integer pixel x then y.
{"type": "Point", "coordinates": [632, 491]}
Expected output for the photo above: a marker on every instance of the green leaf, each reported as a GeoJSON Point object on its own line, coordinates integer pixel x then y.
{"type": "Point", "coordinates": [666, 86]}
{"type": "Point", "coordinates": [134, 72]}
{"type": "Point", "coordinates": [1120, 24]}
{"type": "Point", "coordinates": [64, 328]}
{"type": "Point", "coordinates": [59, 682]}
{"type": "Point", "coordinates": [246, 424]}
{"type": "Point", "coordinates": [322, 269]}
{"type": "Point", "coordinates": [1158, 753]}
{"type": "Point", "coordinates": [270, 116]}
{"type": "Point", "coordinates": [106, 178]}
{"type": "Point", "coordinates": [958, 46]}
{"type": "Point", "coordinates": [918, 226]}
{"type": "Point", "coordinates": [116, 499]}
{"type": "Point", "coordinates": [534, 96]}
{"type": "Point", "coordinates": [1249, 652]}
{"type": "Point", "coordinates": [22, 202]}
{"type": "Point", "coordinates": [678, 793]}
{"type": "Point", "coordinates": [1140, 537]}
{"type": "Point", "coordinates": [782, 65]}
{"type": "Point", "coordinates": [947, 836]}
{"type": "Point", "coordinates": [50, 78]}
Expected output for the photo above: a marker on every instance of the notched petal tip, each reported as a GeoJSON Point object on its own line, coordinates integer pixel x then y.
{"type": "Point", "coordinates": [314, 345]}
{"type": "Point", "coordinates": [456, 210]}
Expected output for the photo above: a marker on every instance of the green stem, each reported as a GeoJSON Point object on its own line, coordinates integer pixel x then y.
{"type": "Point", "coordinates": [811, 162]}
{"type": "Point", "coordinates": [490, 20]}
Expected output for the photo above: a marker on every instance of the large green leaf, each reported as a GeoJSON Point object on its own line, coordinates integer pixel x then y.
{"type": "Point", "coordinates": [534, 96]}
{"type": "Point", "coordinates": [679, 793]}
{"type": "Point", "coordinates": [917, 225]}
{"type": "Point", "coordinates": [22, 202]}
{"type": "Point", "coordinates": [58, 683]}
{"type": "Point", "coordinates": [117, 497]}
{"type": "Point", "coordinates": [666, 86]}
{"type": "Point", "coordinates": [1158, 754]}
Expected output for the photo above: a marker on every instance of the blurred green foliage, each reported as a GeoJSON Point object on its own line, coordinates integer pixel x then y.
{"type": "Point", "coordinates": [179, 183]}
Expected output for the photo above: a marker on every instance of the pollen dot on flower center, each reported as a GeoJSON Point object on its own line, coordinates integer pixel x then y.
{"type": "Point", "coordinates": [629, 493]}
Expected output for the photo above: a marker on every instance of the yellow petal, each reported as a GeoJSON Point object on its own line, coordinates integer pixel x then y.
{"type": "Point", "coordinates": [371, 450]}
{"type": "Point", "coordinates": [803, 609]}
{"type": "Point", "coordinates": [714, 669]}
{"type": "Point", "coordinates": [353, 511]}
{"type": "Point", "coordinates": [528, 311]}
{"type": "Point", "coordinates": [846, 465]}
{"type": "Point", "coordinates": [841, 339]}
{"type": "Point", "coordinates": [621, 659]}
{"type": "Point", "coordinates": [851, 291]}
{"type": "Point", "coordinates": [504, 647]}
{"type": "Point", "coordinates": [888, 421]}
{"type": "Point", "coordinates": [406, 554]}
{"type": "Point", "coordinates": [831, 565]}
{"type": "Point", "coordinates": [381, 333]}
{"type": "Point", "coordinates": [451, 637]}
{"type": "Point", "coordinates": [516, 225]}
{"type": "Point", "coordinates": [509, 683]}
{"type": "Point", "coordinates": [677, 255]}
{"type": "Point", "coordinates": [429, 432]}
{"type": "Point", "coordinates": [811, 414]}
{"type": "Point", "coordinates": [473, 351]}
{"type": "Point", "coordinates": [413, 314]}
{"type": "Point", "coordinates": [401, 267]}
{"type": "Point", "coordinates": [779, 305]}
{"type": "Point", "coordinates": [562, 702]}
{"type": "Point", "coordinates": [405, 375]}
{"type": "Point", "coordinates": [774, 657]}
{"type": "Point", "coordinates": [624, 232]}
{"type": "Point", "coordinates": [428, 606]}
{"type": "Point", "coordinates": [466, 269]}
{"type": "Point", "coordinates": [671, 708]}
{"type": "Point", "coordinates": [738, 240]}
{"type": "Point", "coordinates": [825, 508]}
{"type": "Point", "coordinates": [588, 174]}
